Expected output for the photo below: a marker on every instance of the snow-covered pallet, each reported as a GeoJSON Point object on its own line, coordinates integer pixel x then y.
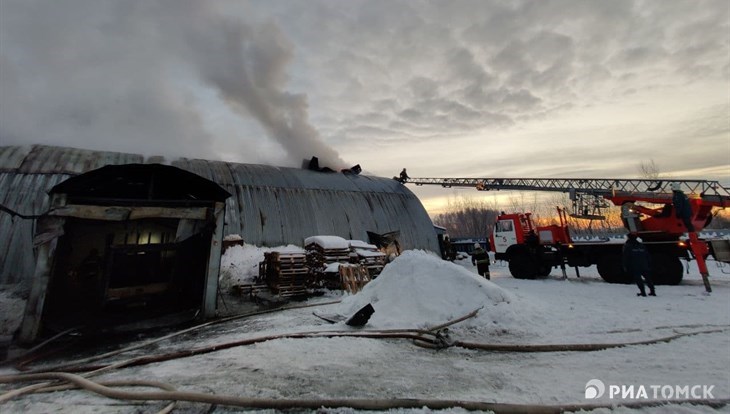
{"type": "Point", "coordinates": [318, 257]}
{"type": "Point", "coordinates": [286, 274]}
{"type": "Point", "coordinates": [323, 250]}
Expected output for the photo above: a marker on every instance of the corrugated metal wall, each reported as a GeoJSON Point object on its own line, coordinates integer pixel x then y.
{"type": "Point", "coordinates": [26, 174]}
{"type": "Point", "coordinates": [270, 206]}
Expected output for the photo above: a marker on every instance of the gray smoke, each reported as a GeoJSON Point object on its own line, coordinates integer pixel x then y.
{"type": "Point", "coordinates": [150, 77]}
{"type": "Point", "coordinates": [247, 65]}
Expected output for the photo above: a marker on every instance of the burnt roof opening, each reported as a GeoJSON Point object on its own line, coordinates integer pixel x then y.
{"type": "Point", "coordinates": [142, 183]}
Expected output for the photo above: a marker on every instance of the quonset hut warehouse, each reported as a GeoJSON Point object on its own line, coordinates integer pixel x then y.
{"type": "Point", "coordinates": [268, 206]}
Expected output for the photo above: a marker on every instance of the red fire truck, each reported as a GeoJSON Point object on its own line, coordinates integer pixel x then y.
{"type": "Point", "coordinates": [646, 208]}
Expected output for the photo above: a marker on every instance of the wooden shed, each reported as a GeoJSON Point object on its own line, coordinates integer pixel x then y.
{"type": "Point", "coordinates": [123, 243]}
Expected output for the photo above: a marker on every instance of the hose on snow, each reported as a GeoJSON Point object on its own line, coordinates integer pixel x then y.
{"type": "Point", "coordinates": [574, 347]}
{"type": "Point", "coordinates": [416, 335]}
{"type": "Point", "coordinates": [72, 364]}
{"type": "Point", "coordinates": [423, 337]}
{"type": "Point", "coordinates": [170, 394]}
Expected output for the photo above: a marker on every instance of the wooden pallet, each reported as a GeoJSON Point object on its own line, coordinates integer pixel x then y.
{"type": "Point", "coordinates": [354, 277]}
{"type": "Point", "coordinates": [249, 289]}
{"type": "Point", "coordinates": [286, 274]}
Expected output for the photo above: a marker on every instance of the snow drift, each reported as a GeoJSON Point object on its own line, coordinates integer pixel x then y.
{"type": "Point", "coordinates": [419, 289]}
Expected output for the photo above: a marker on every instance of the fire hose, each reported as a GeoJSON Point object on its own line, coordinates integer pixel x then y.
{"type": "Point", "coordinates": [421, 337]}
{"type": "Point", "coordinates": [20, 365]}
{"type": "Point", "coordinates": [170, 394]}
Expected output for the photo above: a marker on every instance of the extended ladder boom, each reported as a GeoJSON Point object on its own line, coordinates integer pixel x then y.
{"type": "Point", "coordinates": [711, 192]}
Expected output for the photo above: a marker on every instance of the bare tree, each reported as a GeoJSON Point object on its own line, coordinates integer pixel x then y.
{"type": "Point", "coordinates": [650, 170]}
{"type": "Point", "coordinates": [467, 217]}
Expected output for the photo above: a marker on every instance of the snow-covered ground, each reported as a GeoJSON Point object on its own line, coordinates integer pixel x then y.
{"type": "Point", "coordinates": [419, 290]}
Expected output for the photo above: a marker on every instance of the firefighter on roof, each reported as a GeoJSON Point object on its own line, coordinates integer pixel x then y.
{"type": "Point", "coordinates": [403, 176]}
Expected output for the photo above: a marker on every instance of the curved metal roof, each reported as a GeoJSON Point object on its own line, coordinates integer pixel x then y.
{"type": "Point", "coordinates": [148, 182]}
{"type": "Point", "coordinates": [269, 205]}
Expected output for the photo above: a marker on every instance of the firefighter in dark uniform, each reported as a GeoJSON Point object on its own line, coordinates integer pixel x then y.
{"type": "Point", "coordinates": [448, 249]}
{"type": "Point", "coordinates": [403, 176]}
{"type": "Point", "coordinates": [480, 258]}
{"type": "Point", "coordinates": [682, 208]}
{"type": "Point", "coordinates": [636, 263]}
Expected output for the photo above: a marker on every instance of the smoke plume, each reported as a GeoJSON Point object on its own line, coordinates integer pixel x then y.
{"type": "Point", "coordinates": [151, 77]}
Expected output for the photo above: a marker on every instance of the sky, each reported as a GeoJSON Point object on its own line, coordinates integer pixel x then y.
{"type": "Point", "coordinates": [548, 88]}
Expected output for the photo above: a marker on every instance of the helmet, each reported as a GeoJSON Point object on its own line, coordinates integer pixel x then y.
{"type": "Point", "coordinates": [676, 187]}
{"type": "Point", "coordinates": [477, 245]}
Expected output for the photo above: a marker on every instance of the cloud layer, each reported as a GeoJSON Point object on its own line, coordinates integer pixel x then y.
{"type": "Point", "coordinates": [465, 87]}
{"type": "Point", "coordinates": [149, 77]}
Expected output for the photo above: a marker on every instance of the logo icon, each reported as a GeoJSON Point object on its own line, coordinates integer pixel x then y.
{"type": "Point", "coordinates": [595, 389]}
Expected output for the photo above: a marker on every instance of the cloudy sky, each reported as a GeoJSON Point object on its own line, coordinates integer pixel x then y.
{"type": "Point", "coordinates": [545, 88]}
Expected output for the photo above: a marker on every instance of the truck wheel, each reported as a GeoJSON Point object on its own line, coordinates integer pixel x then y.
{"type": "Point", "coordinates": [666, 269]}
{"type": "Point", "coordinates": [521, 266]}
{"type": "Point", "coordinates": [609, 267]}
{"type": "Point", "coordinates": [522, 270]}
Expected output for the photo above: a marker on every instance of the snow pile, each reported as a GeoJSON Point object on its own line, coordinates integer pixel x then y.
{"type": "Point", "coordinates": [419, 289]}
{"type": "Point", "coordinates": [328, 242]}
{"type": "Point", "coordinates": [240, 264]}
{"type": "Point", "coordinates": [359, 244]}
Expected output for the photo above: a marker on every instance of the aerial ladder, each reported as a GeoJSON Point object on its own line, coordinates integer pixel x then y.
{"type": "Point", "coordinates": [659, 227]}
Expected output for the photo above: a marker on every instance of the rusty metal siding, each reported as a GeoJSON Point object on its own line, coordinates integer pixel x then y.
{"type": "Point", "coordinates": [25, 194]}
{"type": "Point", "coordinates": [277, 205]}
{"type": "Point", "coordinates": [269, 206]}
{"type": "Point", "coordinates": [11, 158]}
{"type": "Point", "coordinates": [26, 174]}
{"type": "Point", "coordinates": [57, 160]}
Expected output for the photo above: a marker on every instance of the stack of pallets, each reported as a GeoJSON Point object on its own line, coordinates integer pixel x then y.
{"type": "Point", "coordinates": [323, 251]}
{"type": "Point", "coordinates": [318, 258]}
{"type": "Point", "coordinates": [353, 277]}
{"type": "Point", "coordinates": [369, 256]}
{"type": "Point", "coordinates": [252, 290]}
{"type": "Point", "coordinates": [285, 273]}
{"type": "Point", "coordinates": [373, 261]}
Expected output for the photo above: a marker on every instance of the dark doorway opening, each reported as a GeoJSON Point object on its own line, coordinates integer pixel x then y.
{"type": "Point", "coordinates": [107, 273]}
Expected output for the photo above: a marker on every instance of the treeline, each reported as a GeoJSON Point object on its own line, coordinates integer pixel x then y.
{"type": "Point", "coordinates": [469, 217]}
{"type": "Point", "coordinates": [478, 222]}
{"type": "Point", "coordinates": [474, 218]}
{"type": "Point", "coordinates": [468, 222]}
